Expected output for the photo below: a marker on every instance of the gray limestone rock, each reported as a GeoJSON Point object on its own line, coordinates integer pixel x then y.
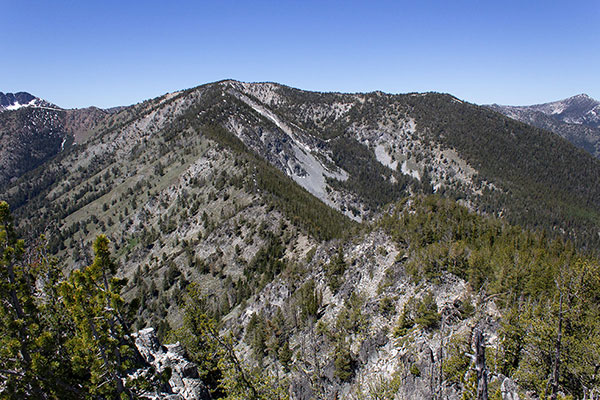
{"type": "Point", "coordinates": [184, 383]}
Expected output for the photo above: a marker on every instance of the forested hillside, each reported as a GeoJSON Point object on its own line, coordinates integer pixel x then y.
{"type": "Point", "coordinates": [576, 119]}
{"type": "Point", "coordinates": [303, 245]}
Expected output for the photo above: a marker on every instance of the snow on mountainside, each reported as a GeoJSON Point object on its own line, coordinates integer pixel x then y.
{"type": "Point", "coordinates": [15, 101]}
{"type": "Point", "coordinates": [576, 119]}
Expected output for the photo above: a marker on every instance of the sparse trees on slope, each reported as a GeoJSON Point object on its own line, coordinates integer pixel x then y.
{"type": "Point", "coordinates": [220, 368]}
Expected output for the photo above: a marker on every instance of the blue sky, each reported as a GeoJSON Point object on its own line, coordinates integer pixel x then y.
{"type": "Point", "coordinates": [108, 53]}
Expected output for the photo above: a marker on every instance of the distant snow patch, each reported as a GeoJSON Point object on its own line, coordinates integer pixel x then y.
{"type": "Point", "coordinates": [18, 105]}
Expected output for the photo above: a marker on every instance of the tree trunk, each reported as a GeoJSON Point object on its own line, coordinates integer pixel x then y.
{"type": "Point", "coordinates": [482, 390]}
{"type": "Point", "coordinates": [553, 382]}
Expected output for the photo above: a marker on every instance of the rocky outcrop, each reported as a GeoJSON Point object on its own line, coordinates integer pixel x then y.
{"type": "Point", "coordinates": [509, 390]}
{"type": "Point", "coordinates": [184, 382]}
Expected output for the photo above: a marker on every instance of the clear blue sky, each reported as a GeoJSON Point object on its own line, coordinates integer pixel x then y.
{"type": "Point", "coordinates": [108, 53]}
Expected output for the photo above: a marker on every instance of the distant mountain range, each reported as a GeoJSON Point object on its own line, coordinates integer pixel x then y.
{"type": "Point", "coordinates": [576, 118]}
{"type": "Point", "coordinates": [33, 130]}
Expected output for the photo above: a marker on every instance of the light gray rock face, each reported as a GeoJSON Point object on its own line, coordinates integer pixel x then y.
{"type": "Point", "coordinates": [184, 383]}
{"type": "Point", "coordinates": [509, 390]}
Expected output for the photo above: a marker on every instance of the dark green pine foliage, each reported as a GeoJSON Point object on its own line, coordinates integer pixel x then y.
{"type": "Point", "coordinates": [102, 345]}
{"type": "Point", "coordinates": [369, 179]}
{"type": "Point", "coordinates": [266, 264]}
{"type": "Point", "coordinates": [546, 182]}
{"type": "Point", "coordinates": [343, 362]}
{"type": "Point", "coordinates": [555, 342]}
{"type": "Point", "coordinates": [224, 373]}
{"type": "Point", "coordinates": [548, 292]}
{"type": "Point", "coordinates": [334, 271]}
{"type": "Point", "coordinates": [33, 325]}
{"type": "Point", "coordinates": [199, 337]}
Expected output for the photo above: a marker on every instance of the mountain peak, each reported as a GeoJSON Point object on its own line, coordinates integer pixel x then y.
{"type": "Point", "coordinates": [582, 97]}
{"type": "Point", "coordinates": [14, 101]}
{"type": "Point", "coordinates": [576, 118]}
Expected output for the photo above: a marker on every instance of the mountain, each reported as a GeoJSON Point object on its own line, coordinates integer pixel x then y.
{"type": "Point", "coordinates": [577, 119]}
{"type": "Point", "coordinates": [32, 131]}
{"type": "Point", "coordinates": [359, 152]}
{"type": "Point", "coordinates": [343, 244]}
{"type": "Point", "coordinates": [15, 101]}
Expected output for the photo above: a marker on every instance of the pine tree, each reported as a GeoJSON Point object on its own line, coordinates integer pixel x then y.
{"type": "Point", "coordinates": [19, 315]}
{"type": "Point", "coordinates": [562, 341]}
{"type": "Point", "coordinates": [101, 346]}
{"type": "Point", "coordinates": [33, 326]}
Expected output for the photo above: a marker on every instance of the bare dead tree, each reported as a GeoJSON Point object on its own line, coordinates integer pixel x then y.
{"type": "Point", "coordinates": [480, 367]}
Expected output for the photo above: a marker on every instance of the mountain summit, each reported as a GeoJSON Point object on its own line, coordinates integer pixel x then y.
{"type": "Point", "coordinates": [576, 118]}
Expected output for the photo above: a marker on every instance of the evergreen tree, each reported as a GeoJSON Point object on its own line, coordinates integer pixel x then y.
{"type": "Point", "coordinates": [101, 346]}
{"type": "Point", "coordinates": [33, 326]}
{"type": "Point", "coordinates": [562, 341]}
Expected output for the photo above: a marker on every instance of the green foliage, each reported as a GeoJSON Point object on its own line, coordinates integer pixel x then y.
{"type": "Point", "coordinates": [256, 336]}
{"type": "Point", "coordinates": [63, 339]}
{"type": "Point", "coordinates": [222, 371]}
{"type": "Point", "coordinates": [526, 272]}
{"type": "Point", "coordinates": [369, 179]}
{"type": "Point", "coordinates": [545, 181]}
{"type": "Point", "coordinates": [343, 362]}
{"type": "Point", "coordinates": [309, 300]}
{"type": "Point", "coordinates": [442, 236]}
{"type": "Point", "coordinates": [381, 388]}
{"type": "Point", "coordinates": [405, 322]}
{"type": "Point", "coordinates": [301, 207]}
{"type": "Point", "coordinates": [335, 269]}
{"type": "Point", "coordinates": [101, 345]}
{"type": "Point", "coordinates": [351, 318]}
{"type": "Point", "coordinates": [33, 326]}
{"type": "Point", "coordinates": [414, 370]}
{"type": "Point", "coordinates": [198, 337]}
{"type": "Point", "coordinates": [387, 307]}
{"type": "Point", "coordinates": [512, 333]}
{"type": "Point", "coordinates": [266, 264]}
{"type": "Point", "coordinates": [427, 312]}
{"type": "Point", "coordinates": [285, 355]}
{"type": "Point", "coordinates": [423, 312]}
{"type": "Point", "coordinates": [457, 362]}
{"type": "Point", "coordinates": [567, 322]}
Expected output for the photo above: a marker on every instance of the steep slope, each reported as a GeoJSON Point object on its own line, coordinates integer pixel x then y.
{"type": "Point", "coordinates": [358, 152]}
{"type": "Point", "coordinates": [28, 138]}
{"type": "Point", "coordinates": [176, 195]}
{"type": "Point", "coordinates": [32, 131]}
{"type": "Point", "coordinates": [390, 145]}
{"type": "Point", "coordinates": [577, 119]}
{"type": "Point", "coordinates": [247, 194]}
